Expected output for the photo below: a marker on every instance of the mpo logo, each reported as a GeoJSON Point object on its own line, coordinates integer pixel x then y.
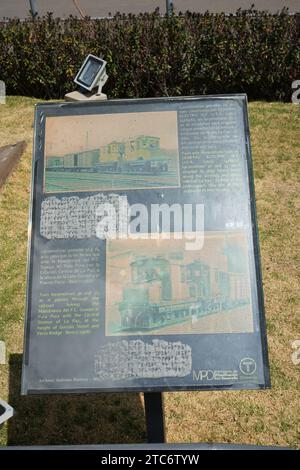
{"type": "Point", "coordinates": [248, 366]}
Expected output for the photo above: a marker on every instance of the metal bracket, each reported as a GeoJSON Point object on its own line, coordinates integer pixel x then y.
{"type": "Point", "coordinates": [6, 411]}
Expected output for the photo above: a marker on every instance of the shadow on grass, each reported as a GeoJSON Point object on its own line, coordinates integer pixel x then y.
{"type": "Point", "coordinates": [72, 419]}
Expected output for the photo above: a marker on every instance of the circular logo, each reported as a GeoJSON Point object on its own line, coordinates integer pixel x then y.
{"type": "Point", "coordinates": [248, 366]}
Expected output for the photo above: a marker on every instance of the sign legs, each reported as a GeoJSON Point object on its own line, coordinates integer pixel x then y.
{"type": "Point", "coordinates": [155, 422]}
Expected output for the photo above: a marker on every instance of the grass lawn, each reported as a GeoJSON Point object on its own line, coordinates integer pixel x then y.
{"type": "Point", "coordinates": [264, 417]}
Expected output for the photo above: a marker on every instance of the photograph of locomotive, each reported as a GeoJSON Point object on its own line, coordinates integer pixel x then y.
{"type": "Point", "coordinates": [159, 288]}
{"type": "Point", "coordinates": [124, 159]}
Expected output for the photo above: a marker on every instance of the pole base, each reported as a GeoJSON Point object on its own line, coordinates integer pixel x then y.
{"type": "Point", "coordinates": [155, 421]}
{"type": "Point", "coordinates": [78, 96]}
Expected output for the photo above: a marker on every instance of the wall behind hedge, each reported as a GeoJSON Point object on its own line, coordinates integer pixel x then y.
{"type": "Point", "coordinates": [149, 55]}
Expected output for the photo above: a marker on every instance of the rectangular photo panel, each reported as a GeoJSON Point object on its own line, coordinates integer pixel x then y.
{"type": "Point", "coordinates": [159, 287]}
{"type": "Point", "coordinates": [101, 153]}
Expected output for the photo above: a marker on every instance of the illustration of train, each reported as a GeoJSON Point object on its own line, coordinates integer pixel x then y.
{"type": "Point", "coordinates": [162, 292]}
{"type": "Point", "coordinates": [138, 166]}
{"type": "Point", "coordinates": [141, 155]}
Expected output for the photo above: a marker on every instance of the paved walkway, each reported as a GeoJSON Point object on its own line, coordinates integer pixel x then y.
{"type": "Point", "coordinates": [98, 8]}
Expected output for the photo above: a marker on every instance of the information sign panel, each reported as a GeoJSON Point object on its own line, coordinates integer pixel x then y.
{"type": "Point", "coordinates": [143, 267]}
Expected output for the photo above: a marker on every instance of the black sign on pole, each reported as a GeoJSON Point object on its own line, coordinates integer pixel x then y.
{"type": "Point", "coordinates": [143, 263]}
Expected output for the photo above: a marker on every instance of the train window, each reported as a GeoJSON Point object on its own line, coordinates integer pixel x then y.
{"type": "Point", "coordinates": [192, 291]}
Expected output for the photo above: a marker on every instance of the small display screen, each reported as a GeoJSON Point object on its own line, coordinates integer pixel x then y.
{"type": "Point", "coordinates": [89, 72]}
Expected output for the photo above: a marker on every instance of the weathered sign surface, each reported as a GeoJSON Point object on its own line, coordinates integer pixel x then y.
{"type": "Point", "coordinates": [143, 266]}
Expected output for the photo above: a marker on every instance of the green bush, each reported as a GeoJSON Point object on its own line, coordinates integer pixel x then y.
{"type": "Point", "coordinates": [149, 55]}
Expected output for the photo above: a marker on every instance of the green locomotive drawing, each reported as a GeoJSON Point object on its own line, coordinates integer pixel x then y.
{"type": "Point", "coordinates": [163, 292]}
{"type": "Point", "coordinates": [141, 155]}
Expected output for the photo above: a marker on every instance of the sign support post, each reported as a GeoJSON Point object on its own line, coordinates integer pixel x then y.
{"type": "Point", "coordinates": [155, 421]}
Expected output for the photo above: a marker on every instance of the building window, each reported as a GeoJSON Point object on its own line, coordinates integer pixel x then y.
{"type": "Point", "coordinates": [192, 291]}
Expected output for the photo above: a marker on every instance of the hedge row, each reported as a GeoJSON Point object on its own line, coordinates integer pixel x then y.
{"type": "Point", "coordinates": [150, 55]}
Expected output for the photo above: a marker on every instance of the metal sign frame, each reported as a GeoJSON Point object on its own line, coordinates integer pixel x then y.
{"type": "Point", "coordinates": [244, 345]}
